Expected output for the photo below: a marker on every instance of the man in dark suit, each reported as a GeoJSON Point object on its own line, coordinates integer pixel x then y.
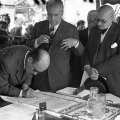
{"type": "Point", "coordinates": [101, 59]}
{"type": "Point", "coordinates": [17, 66]}
{"type": "Point", "coordinates": [91, 19]}
{"type": "Point", "coordinates": [83, 36]}
{"type": "Point", "coordinates": [64, 40]}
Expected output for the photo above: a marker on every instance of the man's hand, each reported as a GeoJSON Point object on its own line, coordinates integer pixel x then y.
{"type": "Point", "coordinates": [68, 43]}
{"type": "Point", "coordinates": [94, 75]}
{"type": "Point", "coordinates": [92, 72]}
{"type": "Point", "coordinates": [78, 90]}
{"type": "Point", "coordinates": [24, 86]}
{"type": "Point", "coordinates": [29, 93]}
{"type": "Point", "coordinates": [43, 39]}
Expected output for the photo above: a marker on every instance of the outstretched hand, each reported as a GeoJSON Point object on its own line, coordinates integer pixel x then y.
{"type": "Point", "coordinates": [78, 90]}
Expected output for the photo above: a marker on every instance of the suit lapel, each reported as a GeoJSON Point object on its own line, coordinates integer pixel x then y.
{"type": "Point", "coordinates": [95, 38]}
{"type": "Point", "coordinates": [45, 28]}
{"type": "Point", "coordinates": [107, 41]}
{"type": "Point", "coordinates": [58, 34]}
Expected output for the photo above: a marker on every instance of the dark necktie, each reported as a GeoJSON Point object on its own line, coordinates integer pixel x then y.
{"type": "Point", "coordinates": [51, 31]}
{"type": "Point", "coordinates": [51, 34]}
{"type": "Point", "coordinates": [103, 31]}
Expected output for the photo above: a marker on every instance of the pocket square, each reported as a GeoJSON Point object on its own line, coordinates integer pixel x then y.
{"type": "Point", "coordinates": [114, 45]}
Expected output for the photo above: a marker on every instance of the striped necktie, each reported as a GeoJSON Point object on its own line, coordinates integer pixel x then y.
{"type": "Point", "coordinates": [51, 32]}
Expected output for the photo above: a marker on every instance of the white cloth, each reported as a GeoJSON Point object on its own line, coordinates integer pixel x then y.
{"type": "Point", "coordinates": [84, 78]}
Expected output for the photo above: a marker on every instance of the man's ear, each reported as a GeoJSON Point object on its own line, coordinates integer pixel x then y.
{"type": "Point", "coordinates": [30, 60]}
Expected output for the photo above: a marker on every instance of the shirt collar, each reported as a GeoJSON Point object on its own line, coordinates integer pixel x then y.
{"type": "Point", "coordinates": [55, 27]}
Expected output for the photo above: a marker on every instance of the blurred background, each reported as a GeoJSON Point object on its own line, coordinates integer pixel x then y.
{"type": "Point", "coordinates": [32, 11]}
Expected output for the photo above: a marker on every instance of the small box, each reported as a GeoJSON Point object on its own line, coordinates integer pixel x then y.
{"type": "Point", "coordinates": [42, 106]}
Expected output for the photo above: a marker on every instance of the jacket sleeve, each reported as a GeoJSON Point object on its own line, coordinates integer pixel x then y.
{"type": "Point", "coordinates": [28, 79]}
{"type": "Point", "coordinates": [5, 87]}
{"type": "Point", "coordinates": [31, 42]}
{"type": "Point", "coordinates": [80, 49]}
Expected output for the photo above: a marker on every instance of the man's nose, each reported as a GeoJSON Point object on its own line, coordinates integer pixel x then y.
{"type": "Point", "coordinates": [52, 17]}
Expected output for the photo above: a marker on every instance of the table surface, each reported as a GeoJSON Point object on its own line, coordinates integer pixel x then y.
{"type": "Point", "coordinates": [11, 111]}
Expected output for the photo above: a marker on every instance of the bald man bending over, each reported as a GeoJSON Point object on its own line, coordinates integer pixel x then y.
{"type": "Point", "coordinates": [17, 66]}
{"type": "Point", "coordinates": [101, 59]}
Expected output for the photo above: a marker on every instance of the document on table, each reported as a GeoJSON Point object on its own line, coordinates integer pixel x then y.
{"type": "Point", "coordinates": [71, 90]}
{"type": "Point", "coordinates": [53, 103]}
{"type": "Point", "coordinates": [112, 98]}
{"type": "Point", "coordinates": [67, 90]}
{"type": "Point", "coordinates": [17, 112]}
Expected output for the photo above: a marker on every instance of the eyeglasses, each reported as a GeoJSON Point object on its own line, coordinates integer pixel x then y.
{"type": "Point", "coordinates": [103, 21]}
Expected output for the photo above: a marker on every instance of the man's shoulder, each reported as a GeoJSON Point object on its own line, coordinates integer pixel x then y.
{"type": "Point", "coordinates": [68, 24]}
{"type": "Point", "coordinates": [115, 26]}
{"type": "Point", "coordinates": [41, 22]}
{"type": "Point", "coordinates": [83, 31]}
{"type": "Point", "coordinates": [15, 49]}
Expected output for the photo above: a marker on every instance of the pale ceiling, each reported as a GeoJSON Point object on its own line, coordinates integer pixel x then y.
{"type": "Point", "coordinates": [14, 2]}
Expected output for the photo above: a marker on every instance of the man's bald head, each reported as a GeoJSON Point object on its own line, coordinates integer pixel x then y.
{"type": "Point", "coordinates": [106, 10]}
{"type": "Point", "coordinates": [37, 60]}
{"type": "Point", "coordinates": [91, 18]}
{"type": "Point", "coordinates": [105, 16]}
{"type": "Point", "coordinates": [43, 62]}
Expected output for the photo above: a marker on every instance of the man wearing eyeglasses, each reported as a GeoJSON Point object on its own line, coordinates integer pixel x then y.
{"type": "Point", "coordinates": [17, 66]}
{"type": "Point", "coordinates": [101, 59]}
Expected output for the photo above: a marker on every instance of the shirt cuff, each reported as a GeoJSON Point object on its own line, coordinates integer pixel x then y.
{"type": "Point", "coordinates": [20, 95]}
{"type": "Point", "coordinates": [36, 44]}
{"type": "Point", "coordinates": [86, 66]}
{"type": "Point", "coordinates": [76, 46]}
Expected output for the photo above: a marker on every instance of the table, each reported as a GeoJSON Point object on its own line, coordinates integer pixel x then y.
{"type": "Point", "coordinates": [20, 111]}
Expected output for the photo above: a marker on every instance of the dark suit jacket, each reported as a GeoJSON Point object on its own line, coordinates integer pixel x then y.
{"type": "Point", "coordinates": [83, 36]}
{"type": "Point", "coordinates": [105, 57]}
{"type": "Point", "coordinates": [59, 69]}
{"type": "Point", "coordinates": [76, 67]}
{"type": "Point", "coordinates": [11, 70]}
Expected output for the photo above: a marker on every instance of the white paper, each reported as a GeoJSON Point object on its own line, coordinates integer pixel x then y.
{"type": "Point", "coordinates": [16, 112]}
{"type": "Point", "coordinates": [117, 118]}
{"type": "Point", "coordinates": [84, 78]}
{"type": "Point", "coordinates": [113, 98]}
{"type": "Point", "coordinates": [84, 93]}
{"type": "Point", "coordinates": [67, 90]}
{"type": "Point", "coordinates": [54, 103]}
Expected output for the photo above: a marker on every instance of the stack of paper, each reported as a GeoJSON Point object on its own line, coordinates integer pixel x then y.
{"type": "Point", "coordinates": [71, 90]}
{"type": "Point", "coordinates": [67, 90]}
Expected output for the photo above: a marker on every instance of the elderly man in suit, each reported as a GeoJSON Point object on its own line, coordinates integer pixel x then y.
{"type": "Point", "coordinates": [101, 59]}
{"type": "Point", "coordinates": [83, 36]}
{"type": "Point", "coordinates": [91, 19]}
{"type": "Point", "coordinates": [17, 66]}
{"type": "Point", "coordinates": [60, 42]}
